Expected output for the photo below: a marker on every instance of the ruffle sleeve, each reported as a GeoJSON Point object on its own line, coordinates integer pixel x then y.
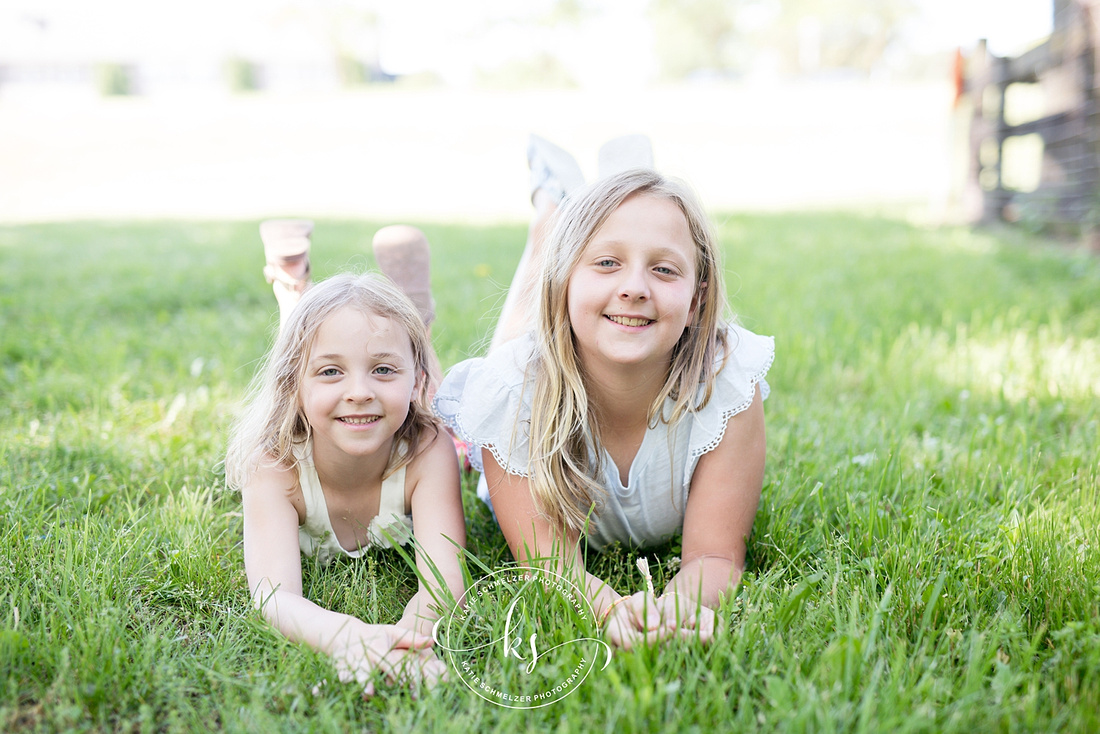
{"type": "Point", "coordinates": [483, 401]}
{"type": "Point", "coordinates": [750, 357]}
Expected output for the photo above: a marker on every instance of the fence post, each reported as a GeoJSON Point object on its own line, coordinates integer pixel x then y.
{"type": "Point", "coordinates": [985, 197]}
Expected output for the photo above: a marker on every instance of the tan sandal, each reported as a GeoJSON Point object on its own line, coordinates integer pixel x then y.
{"type": "Point", "coordinates": [286, 249]}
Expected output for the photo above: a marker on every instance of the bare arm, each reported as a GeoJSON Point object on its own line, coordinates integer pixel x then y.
{"type": "Point", "coordinates": [533, 541]}
{"type": "Point", "coordinates": [273, 565]}
{"type": "Point", "coordinates": [721, 508]}
{"type": "Point", "coordinates": [438, 523]}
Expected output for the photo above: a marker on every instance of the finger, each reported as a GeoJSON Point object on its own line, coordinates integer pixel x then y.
{"type": "Point", "coordinates": [647, 610]}
{"type": "Point", "coordinates": [620, 634]}
{"type": "Point", "coordinates": [657, 636]}
{"type": "Point", "coordinates": [422, 642]}
{"type": "Point", "coordinates": [616, 636]}
{"type": "Point", "coordinates": [433, 672]}
{"type": "Point", "coordinates": [702, 633]}
{"type": "Point", "coordinates": [407, 667]}
{"type": "Point", "coordinates": [694, 636]}
{"type": "Point", "coordinates": [685, 619]}
{"type": "Point", "coordinates": [406, 639]}
{"type": "Point", "coordinates": [624, 642]}
{"type": "Point", "coordinates": [631, 638]}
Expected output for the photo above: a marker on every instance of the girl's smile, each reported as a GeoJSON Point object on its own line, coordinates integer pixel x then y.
{"type": "Point", "coordinates": [632, 291]}
{"type": "Point", "coordinates": [630, 321]}
{"type": "Point", "coordinates": [358, 421]}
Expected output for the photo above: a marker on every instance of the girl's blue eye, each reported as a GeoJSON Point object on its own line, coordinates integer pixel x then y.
{"type": "Point", "coordinates": [384, 370]}
{"type": "Point", "coordinates": [665, 271]}
{"type": "Point", "coordinates": [606, 263]}
{"type": "Point", "coordinates": [330, 372]}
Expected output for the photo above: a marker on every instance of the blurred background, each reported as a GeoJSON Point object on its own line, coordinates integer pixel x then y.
{"type": "Point", "coordinates": [397, 109]}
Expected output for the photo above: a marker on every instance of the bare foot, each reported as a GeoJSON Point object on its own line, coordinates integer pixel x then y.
{"type": "Point", "coordinates": [404, 256]}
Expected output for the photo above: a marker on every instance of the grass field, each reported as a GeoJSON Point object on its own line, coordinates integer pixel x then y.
{"type": "Point", "coordinates": [926, 557]}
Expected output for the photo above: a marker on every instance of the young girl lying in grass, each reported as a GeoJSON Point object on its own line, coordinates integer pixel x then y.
{"type": "Point", "coordinates": [624, 408]}
{"type": "Point", "coordinates": [337, 451]}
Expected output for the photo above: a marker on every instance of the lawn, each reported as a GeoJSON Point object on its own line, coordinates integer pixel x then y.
{"type": "Point", "coordinates": [926, 557]}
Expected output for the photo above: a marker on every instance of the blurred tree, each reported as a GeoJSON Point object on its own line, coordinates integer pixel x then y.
{"type": "Point", "coordinates": [348, 27]}
{"type": "Point", "coordinates": [695, 36]}
{"type": "Point", "coordinates": [735, 37]}
{"type": "Point", "coordinates": [540, 24]}
{"type": "Point", "coordinates": [840, 34]}
{"type": "Point", "coordinates": [567, 11]}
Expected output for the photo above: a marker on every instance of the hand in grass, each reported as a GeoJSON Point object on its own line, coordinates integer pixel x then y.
{"type": "Point", "coordinates": [635, 620]}
{"type": "Point", "coordinates": [418, 623]}
{"type": "Point", "coordinates": [645, 619]}
{"type": "Point", "coordinates": [686, 617]}
{"type": "Point", "coordinates": [424, 667]}
{"type": "Point", "coordinates": [393, 650]}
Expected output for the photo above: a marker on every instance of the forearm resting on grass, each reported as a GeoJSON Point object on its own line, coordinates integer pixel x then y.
{"type": "Point", "coordinates": [357, 648]}
{"type": "Point", "coordinates": [535, 543]}
{"type": "Point", "coordinates": [564, 559]}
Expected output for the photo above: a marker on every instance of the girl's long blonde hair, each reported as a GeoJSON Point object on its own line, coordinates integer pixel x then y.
{"type": "Point", "coordinates": [564, 462]}
{"type": "Point", "coordinates": [273, 421]}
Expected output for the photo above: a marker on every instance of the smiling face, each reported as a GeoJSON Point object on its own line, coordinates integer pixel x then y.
{"type": "Point", "coordinates": [632, 292]}
{"type": "Point", "coordinates": [359, 381]}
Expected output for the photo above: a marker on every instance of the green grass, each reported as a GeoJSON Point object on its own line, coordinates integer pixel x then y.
{"type": "Point", "coordinates": [926, 557]}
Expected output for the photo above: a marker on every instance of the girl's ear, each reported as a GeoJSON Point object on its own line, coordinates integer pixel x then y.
{"type": "Point", "coordinates": [696, 300]}
{"type": "Point", "coordinates": [420, 389]}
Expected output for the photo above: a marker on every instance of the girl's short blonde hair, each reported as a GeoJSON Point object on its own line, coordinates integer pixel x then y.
{"type": "Point", "coordinates": [564, 463]}
{"type": "Point", "coordinates": [273, 421]}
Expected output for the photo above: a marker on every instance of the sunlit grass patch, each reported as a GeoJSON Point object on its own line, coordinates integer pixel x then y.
{"type": "Point", "coordinates": [1004, 359]}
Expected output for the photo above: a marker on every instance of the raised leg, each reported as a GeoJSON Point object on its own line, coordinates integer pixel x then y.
{"type": "Point", "coordinates": [404, 256]}
{"type": "Point", "coordinates": [286, 251]}
{"type": "Point", "coordinates": [554, 176]}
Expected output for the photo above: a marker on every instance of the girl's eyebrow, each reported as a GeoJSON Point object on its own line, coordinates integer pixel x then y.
{"type": "Point", "coordinates": [669, 252]}
{"type": "Point", "coordinates": [325, 357]}
{"type": "Point", "coordinates": [394, 356]}
{"type": "Point", "coordinates": [659, 252]}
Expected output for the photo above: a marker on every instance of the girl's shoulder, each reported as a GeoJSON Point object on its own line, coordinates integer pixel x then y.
{"type": "Point", "coordinates": [744, 367]}
{"type": "Point", "coordinates": [434, 451]}
{"type": "Point", "coordinates": [748, 357]}
{"type": "Point", "coordinates": [272, 480]}
{"type": "Point", "coordinates": [486, 401]}
{"type": "Point", "coordinates": [263, 464]}
{"type": "Point", "coordinates": [505, 364]}
{"type": "Point", "coordinates": [435, 465]}
{"type": "Point", "coordinates": [487, 383]}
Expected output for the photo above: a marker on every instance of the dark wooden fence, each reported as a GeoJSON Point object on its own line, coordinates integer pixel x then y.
{"type": "Point", "coordinates": [1067, 199]}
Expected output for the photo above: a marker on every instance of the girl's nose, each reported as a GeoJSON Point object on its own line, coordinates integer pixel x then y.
{"type": "Point", "coordinates": [359, 390]}
{"type": "Point", "coordinates": [634, 285]}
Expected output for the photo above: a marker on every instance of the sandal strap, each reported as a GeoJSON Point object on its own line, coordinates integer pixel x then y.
{"type": "Point", "coordinates": [274, 273]}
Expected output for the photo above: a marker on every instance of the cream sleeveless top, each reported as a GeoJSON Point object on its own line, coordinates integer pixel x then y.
{"type": "Point", "coordinates": [316, 537]}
